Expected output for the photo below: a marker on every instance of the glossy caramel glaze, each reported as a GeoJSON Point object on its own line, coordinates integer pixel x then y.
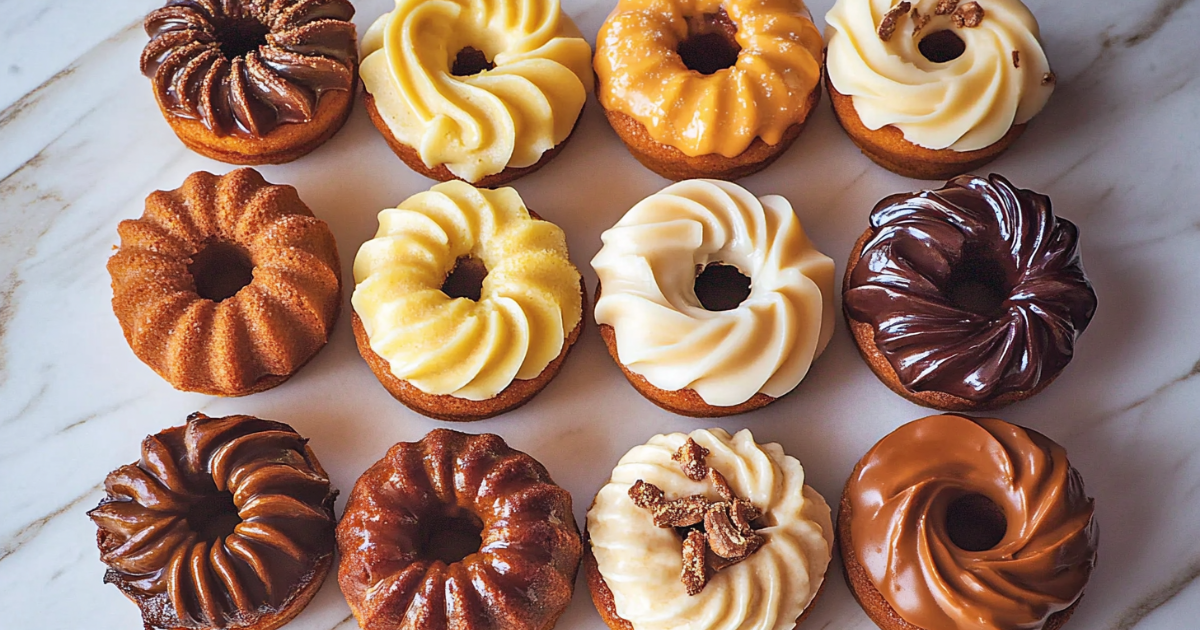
{"type": "Point", "coordinates": [924, 245]}
{"type": "Point", "coordinates": [521, 577]}
{"type": "Point", "coordinates": [222, 522]}
{"type": "Point", "coordinates": [297, 49]}
{"type": "Point", "coordinates": [900, 496]}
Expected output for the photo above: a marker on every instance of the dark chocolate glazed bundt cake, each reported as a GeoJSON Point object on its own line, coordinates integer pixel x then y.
{"type": "Point", "coordinates": [227, 285]}
{"type": "Point", "coordinates": [223, 523]}
{"type": "Point", "coordinates": [400, 566]}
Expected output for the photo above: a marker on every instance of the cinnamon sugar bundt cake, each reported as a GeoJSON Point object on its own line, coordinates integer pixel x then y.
{"type": "Point", "coordinates": [227, 285]}
{"type": "Point", "coordinates": [458, 531]}
{"type": "Point", "coordinates": [223, 523]}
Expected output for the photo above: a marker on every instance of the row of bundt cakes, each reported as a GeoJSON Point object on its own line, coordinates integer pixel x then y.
{"type": "Point", "coordinates": [229, 523]}
{"type": "Point", "coordinates": [488, 90]}
{"type": "Point", "coordinates": [712, 301]}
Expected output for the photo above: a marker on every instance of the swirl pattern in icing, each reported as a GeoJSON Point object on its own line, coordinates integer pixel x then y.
{"type": "Point", "coordinates": [642, 75]}
{"type": "Point", "coordinates": [529, 304]}
{"type": "Point", "coordinates": [480, 124]}
{"type": "Point", "coordinates": [920, 246]}
{"type": "Point", "coordinates": [899, 497]}
{"type": "Point", "coordinates": [154, 520]}
{"type": "Point", "coordinates": [641, 562]}
{"type": "Point", "coordinates": [964, 104]}
{"type": "Point", "coordinates": [308, 49]}
{"type": "Point", "coordinates": [647, 269]}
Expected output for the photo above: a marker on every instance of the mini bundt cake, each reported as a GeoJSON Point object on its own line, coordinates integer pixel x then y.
{"type": "Point", "coordinates": [227, 285]}
{"type": "Point", "coordinates": [223, 523]}
{"type": "Point", "coordinates": [458, 531]}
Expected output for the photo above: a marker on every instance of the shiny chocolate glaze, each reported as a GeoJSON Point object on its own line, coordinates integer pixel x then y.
{"type": "Point", "coordinates": [902, 497]}
{"type": "Point", "coordinates": [519, 574]}
{"type": "Point", "coordinates": [221, 522]}
{"type": "Point", "coordinates": [247, 66]}
{"type": "Point", "coordinates": [925, 246]}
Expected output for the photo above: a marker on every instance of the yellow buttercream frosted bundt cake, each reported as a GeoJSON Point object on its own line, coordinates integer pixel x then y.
{"type": "Point", "coordinates": [935, 88]}
{"type": "Point", "coordinates": [227, 285]}
{"type": "Point", "coordinates": [708, 88]}
{"type": "Point", "coordinates": [452, 346]}
{"type": "Point", "coordinates": [479, 90]}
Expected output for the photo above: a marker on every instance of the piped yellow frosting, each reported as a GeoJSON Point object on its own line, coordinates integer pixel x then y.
{"type": "Point", "coordinates": [477, 125]}
{"type": "Point", "coordinates": [529, 303]}
{"type": "Point", "coordinates": [641, 73]}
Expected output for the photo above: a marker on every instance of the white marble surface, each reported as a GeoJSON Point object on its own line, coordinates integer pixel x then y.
{"type": "Point", "coordinates": [82, 144]}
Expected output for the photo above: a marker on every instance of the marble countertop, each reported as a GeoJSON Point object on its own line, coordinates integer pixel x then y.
{"type": "Point", "coordinates": [82, 143]}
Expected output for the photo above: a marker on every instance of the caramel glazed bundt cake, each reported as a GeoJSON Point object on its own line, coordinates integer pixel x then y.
{"type": "Point", "coordinates": [227, 285]}
{"type": "Point", "coordinates": [458, 531]}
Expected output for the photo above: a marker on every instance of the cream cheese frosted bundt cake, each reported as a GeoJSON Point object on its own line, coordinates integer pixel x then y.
{"type": "Point", "coordinates": [223, 523]}
{"type": "Point", "coordinates": [479, 90]}
{"type": "Point", "coordinates": [457, 531]}
{"type": "Point", "coordinates": [708, 88]}
{"type": "Point", "coordinates": [935, 88]}
{"type": "Point", "coordinates": [252, 81]}
{"type": "Point", "coordinates": [226, 285]}
{"type": "Point", "coordinates": [951, 522]}
{"type": "Point", "coordinates": [668, 305]}
{"type": "Point", "coordinates": [707, 531]}
{"type": "Point", "coordinates": [466, 304]}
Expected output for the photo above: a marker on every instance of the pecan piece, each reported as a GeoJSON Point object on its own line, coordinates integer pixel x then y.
{"type": "Point", "coordinates": [646, 495]}
{"type": "Point", "coordinates": [890, 19]}
{"type": "Point", "coordinates": [1049, 78]}
{"type": "Point", "coordinates": [695, 570]}
{"type": "Point", "coordinates": [681, 512]}
{"type": "Point", "coordinates": [691, 459]}
{"type": "Point", "coordinates": [968, 15]}
{"type": "Point", "coordinates": [721, 484]}
{"type": "Point", "coordinates": [1016, 59]}
{"type": "Point", "coordinates": [742, 513]}
{"type": "Point", "coordinates": [724, 538]}
{"type": "Point", "coordinates": [919, 21]}
{"type": "Point", "coordinates": [945, 7]}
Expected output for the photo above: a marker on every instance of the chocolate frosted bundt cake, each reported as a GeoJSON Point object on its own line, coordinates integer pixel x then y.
{"type": "Point", "coordinates": [227, 285]}
{"type": "Point", "coordinates": [458, 531]}
{"type": "Point", "coordinates": [253, 81]}
{"type": "Point", "coordinates": [223, 523]}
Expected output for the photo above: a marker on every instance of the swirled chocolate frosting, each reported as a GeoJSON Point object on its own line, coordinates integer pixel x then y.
{"type": "Point", "coordinates": [247, 66]}
{"type": "Point", "coordinates": [902, 498]}
{"type": "Point", "coordinates": [222, 521]}
{"type": "Point", "coordinates": [924, 247]}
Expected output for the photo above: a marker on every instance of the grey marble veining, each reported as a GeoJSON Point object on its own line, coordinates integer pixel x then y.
{"type": "Point", "coordinates": [82, 143]}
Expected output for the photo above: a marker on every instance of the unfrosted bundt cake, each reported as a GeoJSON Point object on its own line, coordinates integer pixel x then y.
{"type": "Point", "coordinates": [458, 531]}
{"type": "Point", "coordinates": [226, 285]}
{"type": "Point", "coordinates": [253, 81]}
{"type": "Point", "coordinates": [223, 523]}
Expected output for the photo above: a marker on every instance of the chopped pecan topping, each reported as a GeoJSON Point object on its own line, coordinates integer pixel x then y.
{"type": "Point", "coordinates": [919, 21]}
{"type": "Point", "coordinates": [724, 538]}
{"type": "Point", "coordinates": [1016, 59]}
{"type": "Point", "coordinates": [691, 459]}
{"type": "Point", "coordinates": [695, 570]}
{"type": "Point", "coordinates": [890, 19]}
{"type": "Point", "coordinates": [719, 482]}
{"type": "Point", "coordinates": [1049, 78]}
{"type": "Point", "coordinates": [681, 512]}
{"type": "Point", "coordinates": [945, 7]}
{"type": "Point", "coordinates": [742, 513]}
{"type": "Point", "coordinates": [968, 15]}
{"type": "Point", "coordinates": [646, 495]}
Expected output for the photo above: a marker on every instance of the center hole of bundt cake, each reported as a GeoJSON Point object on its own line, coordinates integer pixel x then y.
{"type": "Point", "coordinates": [979, 285]}
{"type": "Point", "coordinates": [721, 287]}
{"type": "Point", "coordinates": [451, 537]}
{"type": "Point", "coordinates": [466, 279]}
{"type": "Point", "coordinates": [220, 270]}
{"type": "Point", "coordinates": [214, 516]}
{"type": "Point", "coordinates": [710, 45]}
{"type": "Point", "coordinates": [975, 523]}
{"type": "Point", "coordinates": [241, 36]}
{"type": "Point", "coordinates": [470, 61]}
{"type": "Point", "coordinates": [942, 46]}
